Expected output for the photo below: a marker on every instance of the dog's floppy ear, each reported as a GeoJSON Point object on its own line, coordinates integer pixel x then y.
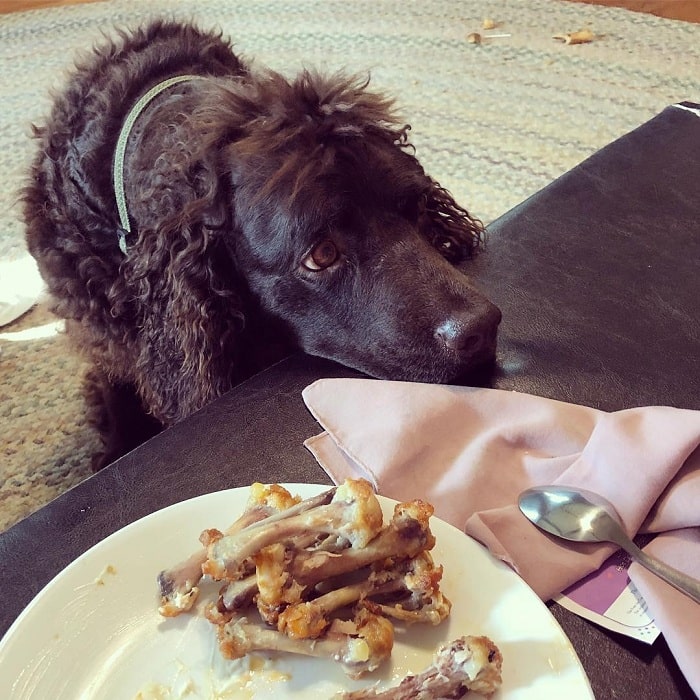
{"type": "Point", "coordinates": [450, 228]}
{"type": "Point", "coordinates": [189, 311]}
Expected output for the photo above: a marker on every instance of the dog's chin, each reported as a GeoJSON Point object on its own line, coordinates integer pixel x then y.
{"type": "Point", "coordinates": [477, 371]}
{"type": "Point", "coordinates": [480, 374]}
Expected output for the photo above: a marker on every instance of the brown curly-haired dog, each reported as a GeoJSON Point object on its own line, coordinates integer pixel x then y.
{"type": "Point", "coordinates": [260, 215]}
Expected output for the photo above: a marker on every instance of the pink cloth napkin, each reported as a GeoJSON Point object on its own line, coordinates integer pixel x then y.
{"type": "Point", "coordinates": [471, 451]}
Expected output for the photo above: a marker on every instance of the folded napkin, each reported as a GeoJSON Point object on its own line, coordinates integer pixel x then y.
{"type": "Point", "coordinates": [471, 451]}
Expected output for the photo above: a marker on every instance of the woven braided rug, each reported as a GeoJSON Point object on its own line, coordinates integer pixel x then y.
{"type": "Point", "coordinates": [493, 123]}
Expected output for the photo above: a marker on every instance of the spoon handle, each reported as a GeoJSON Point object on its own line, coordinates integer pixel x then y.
{"type": "Point", "coordinates": [684, 583]}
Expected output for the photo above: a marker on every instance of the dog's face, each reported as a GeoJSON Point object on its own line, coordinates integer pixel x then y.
{"type": "Point", "coordinates": [343, 238]}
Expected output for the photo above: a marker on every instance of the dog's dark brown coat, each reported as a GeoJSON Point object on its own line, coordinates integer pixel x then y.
{"type": "Point", "coordinates": [268, 214]}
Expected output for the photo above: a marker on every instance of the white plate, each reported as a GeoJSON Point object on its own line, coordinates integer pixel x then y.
{"type": "Point", "coordinates": [94, 631]}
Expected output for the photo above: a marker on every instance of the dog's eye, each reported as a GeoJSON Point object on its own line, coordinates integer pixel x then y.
{"type": "Point", "coordinates": [323, 255]}
{"type": "Point", "coordinates": [448, 247]}
{"type": "Point", "coordinates": [444, 244]}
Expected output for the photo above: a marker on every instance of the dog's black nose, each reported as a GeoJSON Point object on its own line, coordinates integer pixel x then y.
{"type": "Point", "coordinates": [469, 333]}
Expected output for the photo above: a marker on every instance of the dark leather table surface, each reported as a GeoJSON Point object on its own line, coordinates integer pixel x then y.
{"type": "Point", "coordinates": [598, 278]}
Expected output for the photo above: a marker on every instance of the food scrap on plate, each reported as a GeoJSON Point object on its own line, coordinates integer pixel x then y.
{"type": "Point", "coordinates": [324, 577]}
{"type": "Point", "coordinates": [468, 663]}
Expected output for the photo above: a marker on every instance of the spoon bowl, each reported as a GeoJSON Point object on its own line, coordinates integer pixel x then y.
{"type": "Point", "coordinates": [578, 515]}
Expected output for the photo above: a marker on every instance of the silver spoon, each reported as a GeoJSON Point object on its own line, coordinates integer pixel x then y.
{"type": "Point", "coordinates": [582, 516]}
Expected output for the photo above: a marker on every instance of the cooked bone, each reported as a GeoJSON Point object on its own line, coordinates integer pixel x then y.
{"type": "Point", "coordinates": [359, 646]}
{"type": "Point", "coordinates": [276, 589]}
{"type": "Point", "coordinates": [310, 566]}
{"type": "Point", "coordinates": [407, 535]}
{"type": "Point", "coordinates": [236, 595]}
{"type": "Point", "coordinates": [309, 619]}
{"type": "Point", "coordinates": [415, 582]}
{"type": "Point", "coordinates": [468, 663]}
{"type": "Point", "coordinates": [425, 602]}
{"type": "Point", "coordinates": [353, 515]}
{"type": "Point", "coordinates": [178, 585]}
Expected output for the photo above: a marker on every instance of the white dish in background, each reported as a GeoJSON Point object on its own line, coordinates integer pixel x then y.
{"type": "Point", "coordinates": [94, 632]}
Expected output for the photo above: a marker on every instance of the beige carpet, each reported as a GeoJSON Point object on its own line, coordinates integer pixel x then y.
{"type": "Point", "coordinates": [493, 122]}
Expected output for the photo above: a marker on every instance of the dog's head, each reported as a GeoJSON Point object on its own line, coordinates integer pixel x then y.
{"type": "Point", "coordinates": [344, 239]}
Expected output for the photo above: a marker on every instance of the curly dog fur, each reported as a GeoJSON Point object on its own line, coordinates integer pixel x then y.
{"type": "Point", "coordinates": [267, 215]}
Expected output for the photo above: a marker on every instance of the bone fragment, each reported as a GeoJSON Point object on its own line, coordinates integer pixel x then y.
{"type": "Point", "coordinates": [178, 585]}
{"type": "Point", "coordinates": [359, 646]}
{"type": "Point", "coordinates": [414, 582]}
{"type": "Point", "coordinates": [353, 516]}
{"type": "Point", "coordinates": [406, 535]}
{"type": "Point", "coordinates": [466, 664]}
